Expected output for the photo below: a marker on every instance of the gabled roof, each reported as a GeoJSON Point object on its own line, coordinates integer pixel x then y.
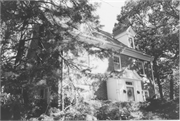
{"type": "Point", "coordinates": [127, 51]}
{"type": "Point", "coordinates": [131, 74]}
{"type": "Point", "coordinates": [105, 40]}
{"type": "Point", "coordinates": [119, 30]}
{"type": "Point", "coordinates": [111, 39]}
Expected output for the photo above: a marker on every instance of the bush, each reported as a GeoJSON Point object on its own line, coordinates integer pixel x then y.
{"type": "Point", "coordinates": [11, 108]}
{"type": "Point", "coordinates": [114, 111]}
{"type": "Point", "coordinates": [168, 109]}
{"type": "Point", "coordinates": [81, 111]}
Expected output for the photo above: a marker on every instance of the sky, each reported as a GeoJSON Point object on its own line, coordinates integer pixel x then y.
{"type": "Point", "coordinates": [108, 11]}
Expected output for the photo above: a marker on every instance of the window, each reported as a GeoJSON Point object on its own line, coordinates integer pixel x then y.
{"type": "Point", "coordinates": [139, 67]}
{"type": "Point", "coordinates": [117, 63]}
{"type": "Point", "coordinates": [129, 83]}
{"type": "Point", "coordinates": [148, 70]}
{"type": "Point", "coordinates": [126, 61]}
{"type": "Point", "coordinates": [146, 93]}
{"type": "Point", "coordinates": [131, 44]}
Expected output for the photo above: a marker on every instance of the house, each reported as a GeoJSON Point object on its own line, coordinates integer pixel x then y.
{"type": "Point", "coordinates": [128, 72]}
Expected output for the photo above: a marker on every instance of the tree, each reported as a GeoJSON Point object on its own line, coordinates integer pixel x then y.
{"type": "Point", "coordinates": [34, 34]}
{"type": "Point", "coordinates": [156, 24]}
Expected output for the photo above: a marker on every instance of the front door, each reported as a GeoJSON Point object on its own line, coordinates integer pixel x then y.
{"type": "Point", "coordinates": [130, 94]}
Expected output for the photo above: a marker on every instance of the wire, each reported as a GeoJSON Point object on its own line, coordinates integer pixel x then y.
{"type": "Point", "coordinates": [109, 4]}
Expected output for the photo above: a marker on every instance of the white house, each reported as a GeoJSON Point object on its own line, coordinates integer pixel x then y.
{"type": "Point", "coordinates": [130, 74]}
{"type": "Point", "coordinates": [132, 78]}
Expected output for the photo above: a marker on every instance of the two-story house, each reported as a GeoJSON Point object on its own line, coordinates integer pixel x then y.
{"type": "Point", "coordinates": [130, 74]}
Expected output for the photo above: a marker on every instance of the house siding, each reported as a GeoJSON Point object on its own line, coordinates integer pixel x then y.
{"type": "Point", "coordinates": [100, 90]}
{"type": "Point", "coordinates": [127, 63]}
{"type": "Point", "coordinates": [103, 65]}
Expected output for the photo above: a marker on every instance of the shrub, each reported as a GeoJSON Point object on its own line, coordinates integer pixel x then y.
{"type": "Point", "coordinates": [114, 111]}
{"type": "Point", "coordinates": [168, 109]}
{"type": "Point", "coordinates": [11, 108]}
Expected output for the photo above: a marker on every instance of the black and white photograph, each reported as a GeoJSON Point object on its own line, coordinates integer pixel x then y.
{"type": "Point", "coordinates": [89, 60]}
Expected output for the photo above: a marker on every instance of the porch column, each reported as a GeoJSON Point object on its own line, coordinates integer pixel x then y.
{"type": "Point", "coordinates": [143, 67]}
{"type": "Point", "coordinates": [152, 71]}
{"type": "Point", "coordinates": [60, 83]}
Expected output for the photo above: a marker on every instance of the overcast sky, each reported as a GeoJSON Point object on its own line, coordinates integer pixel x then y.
{"type": "Point", "coordinates": [108, 11]}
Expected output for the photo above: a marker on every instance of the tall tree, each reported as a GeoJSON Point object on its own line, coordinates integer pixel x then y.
{"type": "Point", "coordinates": [34, 35]}
{"type": "Point", "coordinates": [156, 24]}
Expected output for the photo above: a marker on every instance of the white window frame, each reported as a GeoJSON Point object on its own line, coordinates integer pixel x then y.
{"type": "Point", "coordinates": [144, 94]}
{"type": "Point", "coordinates": [142, 64]}
{"type": "Point", "coordinates": [131, 42]}
{"type": "Point", "coordinates": [114, 63]}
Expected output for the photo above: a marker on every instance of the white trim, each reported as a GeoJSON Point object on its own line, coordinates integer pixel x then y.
{"type": "Point", "coordinates": [152, 74]}
{"type": "Point", "coordinates": [130, 79]}
{"type": "Point", "coordinates": [142, 64]}
{"type": "Point", "coordinates": [136, 54]}
{"type": "Point", "coordinates": [144, 94]}
{"type": "Point", "coordinates": [143, 68]}
{"type": "Point", "coordinates": [130, 29]}
{"type": "Point", "coordinates": [132, 41]}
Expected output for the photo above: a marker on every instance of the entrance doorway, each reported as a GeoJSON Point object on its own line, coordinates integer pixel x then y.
{"type": "Point", "coordinates": [130, 94]}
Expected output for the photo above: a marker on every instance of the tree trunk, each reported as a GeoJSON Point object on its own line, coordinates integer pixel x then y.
{"type": "Point", "coordinates": [171, 87]}
{"type": "Point", "coordinates": [25, 96]}
{"type": "Point", "coordinates": [160, 87]}
{"type": "Point", "coordinates": [156, 75]}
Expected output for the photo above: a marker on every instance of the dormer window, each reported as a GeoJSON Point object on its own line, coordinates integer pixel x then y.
{"type": "Point", "coordinates": [131, 42]}
{"type": "Point", "coordinates": [125, 36]}
{"type": "Point", "coordinates": [117, 62]}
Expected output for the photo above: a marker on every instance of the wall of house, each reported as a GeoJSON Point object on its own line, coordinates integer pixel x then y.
{"type": "Point", "coordinates": [117, 89]}
{"type": "Point", "coordinates": [105, 65]}
{"type": "Point", "coordinates": [127, 62]}
{"type": "Point", "coordinates": [112, 89]}
{"type": "Point", "coordinates": [124, 39]}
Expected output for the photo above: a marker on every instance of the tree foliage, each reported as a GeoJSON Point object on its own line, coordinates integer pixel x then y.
{"type": "Point", "coordinates": [35, 34]}
{"type": "Point", "coordinates": [156, 23]}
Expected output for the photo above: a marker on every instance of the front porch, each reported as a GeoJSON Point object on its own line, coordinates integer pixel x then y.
{"type": "Point", "coordinates": [129, 87]}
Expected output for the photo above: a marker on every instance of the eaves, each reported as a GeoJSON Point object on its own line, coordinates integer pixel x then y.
{"type": "Point", "coordinates": [116, 48]}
